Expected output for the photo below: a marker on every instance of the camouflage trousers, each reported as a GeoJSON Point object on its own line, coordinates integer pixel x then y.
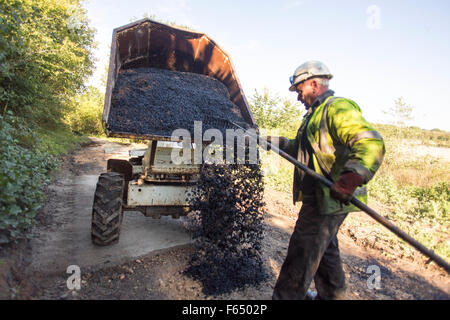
{"type": "Point", "coordinates": [313, 253]}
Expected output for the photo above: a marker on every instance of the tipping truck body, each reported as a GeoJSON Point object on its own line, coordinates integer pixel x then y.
{"type": "Point", "coordinates": [147, 43]}
{"type": "Point", "coordinates": [149, 181]}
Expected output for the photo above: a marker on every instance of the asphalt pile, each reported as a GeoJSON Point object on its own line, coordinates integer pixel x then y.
{"type": "Point", "coordinates": [157, 102]}
{"type": "Point", "coordinates": [226, 222]}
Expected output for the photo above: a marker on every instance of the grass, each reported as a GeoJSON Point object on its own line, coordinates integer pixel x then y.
{"type": "Point", "coordinates": [59, 141]}
{"type": "Point", "coordinates": [278, 173]}
{"type": "Point", "coordinates": [119, 140]}
{"type": "Point", "coordinates": [435, 137]}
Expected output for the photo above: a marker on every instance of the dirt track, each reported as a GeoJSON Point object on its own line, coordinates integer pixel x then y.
{"type": "Point", "coordinates": [137, 269]}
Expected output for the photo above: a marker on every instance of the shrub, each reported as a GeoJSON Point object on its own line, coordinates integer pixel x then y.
{"type": "Point", "coordinates": [45, 57]}
{"type": "Point", "coordinates": [22, 176]}
{"type": "Point", "coordinates": [86, 115]}
{"type": "Point", "coordinates": [272, 112]}
{"type": "Point", "coordinates": [420, 211]}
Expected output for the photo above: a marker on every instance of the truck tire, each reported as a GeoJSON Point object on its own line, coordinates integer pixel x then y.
{"type": "Point", "coordinates": [107, 212]}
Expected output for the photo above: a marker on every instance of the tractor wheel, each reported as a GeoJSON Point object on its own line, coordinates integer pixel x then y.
{"type": "Point", "coordinates": [107, 213]}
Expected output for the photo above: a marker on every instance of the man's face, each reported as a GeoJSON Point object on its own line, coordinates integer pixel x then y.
{"type": "Point", "coordinates": [306, 92]}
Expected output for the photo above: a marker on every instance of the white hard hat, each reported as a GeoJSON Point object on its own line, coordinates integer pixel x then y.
{"type": "Point", "coordinates": [308, 70]}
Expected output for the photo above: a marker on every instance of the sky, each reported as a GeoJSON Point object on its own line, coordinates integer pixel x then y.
{"type": "Point", "coordinates": [377, 51]}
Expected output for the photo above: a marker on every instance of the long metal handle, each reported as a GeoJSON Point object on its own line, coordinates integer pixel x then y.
{"type": "Point", "coordinates": [389, 225]}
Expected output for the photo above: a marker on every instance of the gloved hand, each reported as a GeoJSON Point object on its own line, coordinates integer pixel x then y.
{"type": "Point", "coordinates": [343, 189]}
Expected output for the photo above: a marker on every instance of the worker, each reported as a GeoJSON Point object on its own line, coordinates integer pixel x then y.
{"type": "Point", "coordinates": [337, 142]}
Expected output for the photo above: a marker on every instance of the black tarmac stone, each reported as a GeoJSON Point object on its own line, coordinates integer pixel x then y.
{"type": "Point", "coordinates": [157, 102]}
{"type": "Point", "coordinates": [226, 225]}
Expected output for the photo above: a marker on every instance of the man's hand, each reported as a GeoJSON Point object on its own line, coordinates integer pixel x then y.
{"type": "Point", "coordinates": [343, 189]}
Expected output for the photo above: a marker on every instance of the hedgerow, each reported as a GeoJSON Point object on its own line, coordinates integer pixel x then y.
{"type": "Point", "coordinates": [45, 57]}
{"type": "Point", "coordinates": [23, 173]}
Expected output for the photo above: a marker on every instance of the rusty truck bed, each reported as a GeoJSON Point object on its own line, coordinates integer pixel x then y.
{"type": "Point", "coordinates": [147, 43]}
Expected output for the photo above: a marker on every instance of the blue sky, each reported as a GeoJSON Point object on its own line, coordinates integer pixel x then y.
{"type": "Point", "coordinates": [402, 49]}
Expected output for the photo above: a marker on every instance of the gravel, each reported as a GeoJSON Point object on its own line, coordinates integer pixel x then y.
{"type": "Point", "coordinates": [227, 227]}
{"type": "Point", "coordinates": [156, 101]}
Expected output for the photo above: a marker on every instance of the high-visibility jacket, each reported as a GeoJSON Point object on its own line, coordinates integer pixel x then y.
{"type": "Point", "coordinates": [341, 140]}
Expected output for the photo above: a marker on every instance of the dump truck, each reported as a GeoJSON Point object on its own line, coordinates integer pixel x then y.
{"type": "Point", "coordinates": [148, 181]}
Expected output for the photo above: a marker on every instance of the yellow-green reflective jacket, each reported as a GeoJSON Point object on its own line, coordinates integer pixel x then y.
{"type": "Point", "coordinates": [341, 140]}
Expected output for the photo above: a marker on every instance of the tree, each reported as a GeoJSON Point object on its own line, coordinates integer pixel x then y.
{"type": "Point", "coordinates": [272, 112]}
{"type": "Point", "coordinates": [290, 116]}
{"type": "Point", "coordinates": [264, 108]}
{"type": "Point", "coordinates": [88, 110]}
{"type": "Point", "coordinates": [401, 113]}
{"type": "Point", "coordinates": [45, 57]}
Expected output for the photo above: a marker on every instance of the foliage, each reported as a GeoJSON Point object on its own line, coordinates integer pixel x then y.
{"type": "Point", "coordinates": [401, 113]}
{"type": "Point", "coordinates": [280, 177]}
{"type": "Point", "coordinates": [413, 186]}
{"type": "Point", "coordinates": [272, 112]}
{"type": "Point", "coordinates": [58, 141]}
{"type": "Point", "coordinates": [433, 137]}
{"type": "Point", "coordinates": [45, 56]}
{"type": "Point", "coordinates": [423, 212]}
{"type": "Point", "coordinates": [22, 174]}
{"type": "Point", "coordinates": [86, 116]}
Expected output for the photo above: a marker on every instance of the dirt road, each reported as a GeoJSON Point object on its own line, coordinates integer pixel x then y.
{"type": "Point", "coordinates": [149, 260]}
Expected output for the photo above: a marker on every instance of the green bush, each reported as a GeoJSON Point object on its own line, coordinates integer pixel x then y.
{"type": "Point", "coordinates": [272, 112]}
{"type": "Point", "coordinates": [433, 137]}
{"type": "Point", "coordinates": [423, 212]}
{"type": "Point", "coordinates": [45, 57]}
{"type": "Point", "coordinates": [22, 176]}
{"type": "Point", "coordinates": [58, 141]}
{"type": "Point", "coordinates": [86, 115]}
